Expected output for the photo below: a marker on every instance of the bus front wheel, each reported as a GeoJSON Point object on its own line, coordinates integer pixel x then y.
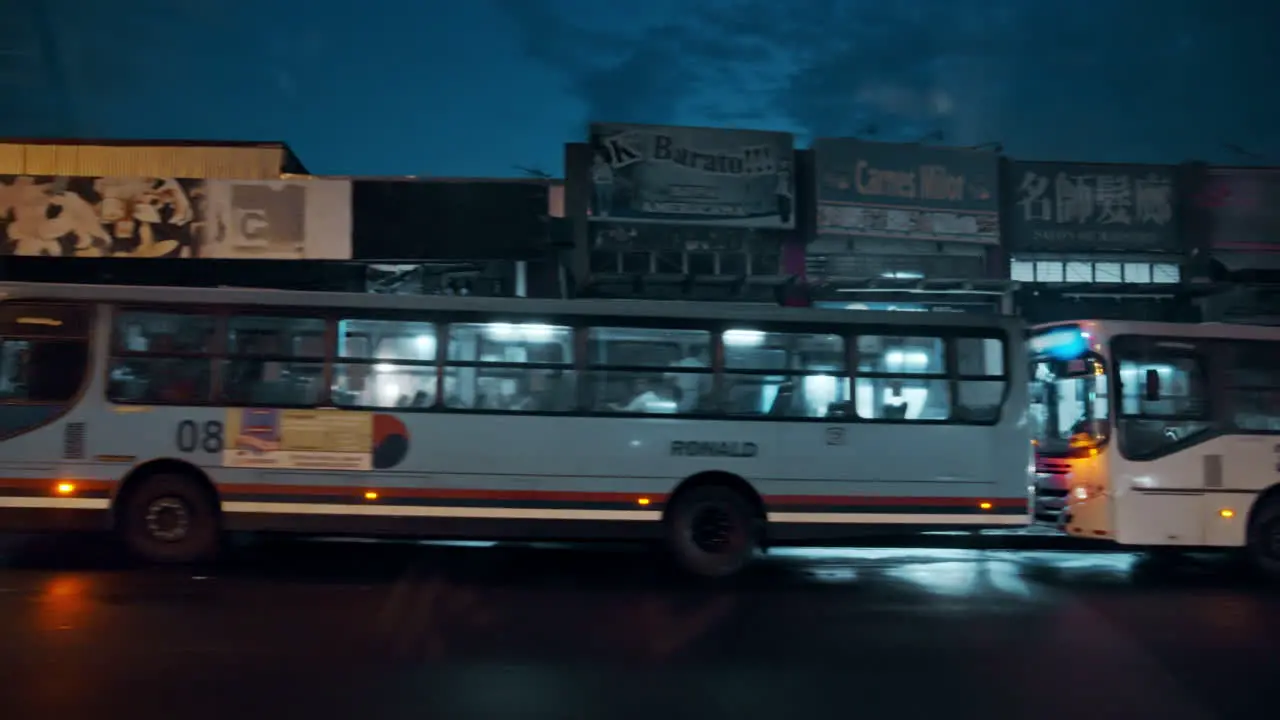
{"type": "Point", "coordinates": [713, 531]}
{"type": "Point", "coordinates": [1264, 538]}
{"type": "Point", "coordinates": [169, 518]}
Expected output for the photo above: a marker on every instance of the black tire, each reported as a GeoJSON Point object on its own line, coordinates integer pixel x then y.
{"type": "Point", "coordinates": [713, 531]}
{"type": "Point", "coordinates": [171, 519]}
{"type": "Point", "coordinates": [1264, 539]}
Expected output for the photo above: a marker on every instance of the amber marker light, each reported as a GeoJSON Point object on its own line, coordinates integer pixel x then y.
{"type": "Point", "coordinates": [66, 488]}
{"type": "Point", "coordinates": [642, 501]}
{"type": "Point", "coordinates": [985, 505]}
{"type": "Point", "coordinates": [371, 495]}
{"type": "Point", "coordinates": [1227, 513]}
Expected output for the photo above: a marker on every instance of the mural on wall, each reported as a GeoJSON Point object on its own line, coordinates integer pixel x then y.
{"type": "Point", "coordinates": [174, 218]}
{"type": "Point", "coordinates": [101, 217]}
{"type": "Point", "coordinates": [660, 174]}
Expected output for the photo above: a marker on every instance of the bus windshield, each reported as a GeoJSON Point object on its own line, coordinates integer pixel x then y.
{"type": "Point", "coordinates": [1069, 404]}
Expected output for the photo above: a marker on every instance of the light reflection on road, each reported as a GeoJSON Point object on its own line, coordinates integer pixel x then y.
{"type": "Point", "coordinates": [949, 571]}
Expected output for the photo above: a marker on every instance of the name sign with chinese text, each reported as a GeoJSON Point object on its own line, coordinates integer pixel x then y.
{"type": "Point", "coordinates": [1075, 207]}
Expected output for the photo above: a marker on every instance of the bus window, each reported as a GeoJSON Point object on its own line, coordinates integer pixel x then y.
{"type": "Point", "coordinates": [902, 378]}
{"type": "Point", "coordinates": [1180, 410]}
{"type": "Point", "coordinates": [276, 361]}
{"type": "Point", "coordinates": [385, 363]}
{"type": "Point", "coordinates": [519, 367]}
{"type": "Point", "coordinates": [41, 370]}
{"type": "Point", "coordinates": [44, 352]}
{"type": "Point", "coordinates": [980, 389]}
{"type": "Point", "coordinates": [1253, 385]}
{"type": "Point", "coordinates": [648, 370]}
{"type": "Point", "coordinates": [785, 374]}
{"type": "Point", "coordinates": [161, 358]}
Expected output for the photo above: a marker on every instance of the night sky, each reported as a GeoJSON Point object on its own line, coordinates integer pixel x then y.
{"type": "Point", "coordinates": [476, 87]}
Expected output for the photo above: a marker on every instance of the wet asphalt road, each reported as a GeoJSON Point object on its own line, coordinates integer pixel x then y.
{"type": "Point", "coordinates": [364, 630]}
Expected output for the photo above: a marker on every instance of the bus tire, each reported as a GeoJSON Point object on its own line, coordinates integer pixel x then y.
{"type": "Point", "coordinates": [712, 531]}
{"type": "Point", "coordinates": [1264, 538]}
{"type": "Point", "coordinates": [170, 518]}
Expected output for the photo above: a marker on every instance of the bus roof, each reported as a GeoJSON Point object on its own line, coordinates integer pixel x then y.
{"type": "Point", "coordinates": [1210, 330]}
{"type": "Point", "coordinates": [496, 305]}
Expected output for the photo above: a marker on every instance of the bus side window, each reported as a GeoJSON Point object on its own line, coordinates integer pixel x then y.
{"type": "Point", "coordinates": [161, 357]}
{"type": "Point", "coordinates": [515, 367]}
{"type": "Point", "coordinates": [982, 379]}
{"type": "Point", "coordinates": [650, 370]}
{"type": "Point", "coordinates": [385, 364]}
{"type": "Point", "coordinates": [274, 361]}
{"type": "Point", "coordinates": [902, 378]}
{"type": "Point", "coordinates": [1253, 385]}
{"type": "Point", "coordinates": [785, 374]}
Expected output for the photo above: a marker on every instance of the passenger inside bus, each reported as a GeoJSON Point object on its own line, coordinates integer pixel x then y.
{"type": "Point", "coordinates": [651, 397]}
{"type": "Point", "coordinates": [694, 388]}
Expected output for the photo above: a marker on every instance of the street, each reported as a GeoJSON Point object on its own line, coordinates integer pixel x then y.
{"type": "Point", "coordinates": [370, 630]}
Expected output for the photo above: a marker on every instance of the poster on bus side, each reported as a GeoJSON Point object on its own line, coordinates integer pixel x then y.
{"type": "Point", "coordinates": [299, 439]}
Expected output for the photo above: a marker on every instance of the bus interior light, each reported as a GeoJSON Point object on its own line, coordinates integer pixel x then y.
{"type": "Point", "coordinates": [50, 322]}
{"type": "Point", "coordinates": [743, 338]}
{"type": "Point", "coordinates": [530, 332]}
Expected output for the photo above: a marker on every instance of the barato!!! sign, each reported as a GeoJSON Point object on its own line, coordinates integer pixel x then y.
{"type": "Point", "coordinates": [643, 173]}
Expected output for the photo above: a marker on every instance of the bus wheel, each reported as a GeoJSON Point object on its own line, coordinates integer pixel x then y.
{"type": "Point", "coordinates": [713, 531]}
{"type": "Point", "coordinates": [170, 518]}
{"type": "Point", "coordinates": [1264, 538]}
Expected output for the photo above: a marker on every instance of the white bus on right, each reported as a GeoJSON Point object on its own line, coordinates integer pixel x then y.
{"type": "Point", "coordinates": [1160, 434]}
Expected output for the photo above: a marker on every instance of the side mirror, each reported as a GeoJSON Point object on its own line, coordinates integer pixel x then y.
{"type": "Point", "coordinates": [1152, 386]}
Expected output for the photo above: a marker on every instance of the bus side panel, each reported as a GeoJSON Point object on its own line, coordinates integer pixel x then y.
{"type": "Point", "coordinates": [1199, 496]}
{"type": "Point", "coordinates": [49, 478]}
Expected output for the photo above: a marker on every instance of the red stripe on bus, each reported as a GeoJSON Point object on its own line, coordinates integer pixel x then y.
{"type": "Point", "coordinates": [774, 501]}
{"type": "Point", "coordinates": [863, 500]}
{"type": "Point", "coordinates": [442, 493]}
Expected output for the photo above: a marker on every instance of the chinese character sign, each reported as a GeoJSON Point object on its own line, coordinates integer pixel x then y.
{"type": "Point", "coordinates": [1057, 207]}
{"type": "Point", "coordinates": [906, 191]}
{"type": "Point", "coordinates": [650, 173]}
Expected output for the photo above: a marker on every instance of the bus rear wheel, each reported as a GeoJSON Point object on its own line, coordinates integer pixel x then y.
{"type": "Point", "coordinates": [170, 518]}
{"type": "Point", "coordinates": [713, 531]}
{"type": "Point", "coordinates": [1264, 538]}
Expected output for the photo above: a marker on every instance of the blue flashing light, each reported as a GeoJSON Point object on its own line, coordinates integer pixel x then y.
{"type": "Point", "coordinates": [1063, 344]}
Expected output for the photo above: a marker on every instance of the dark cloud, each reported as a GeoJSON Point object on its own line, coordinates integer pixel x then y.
{"type": "Point", "coordinates": [1158, 80]}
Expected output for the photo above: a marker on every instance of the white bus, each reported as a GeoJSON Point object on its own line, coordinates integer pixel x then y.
{"type": "Point", "coordinates": [1160, 434]}
{"type": "Point", "coordinates": [171, 415]}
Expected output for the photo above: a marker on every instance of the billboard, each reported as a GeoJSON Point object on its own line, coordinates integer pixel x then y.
{"type": "Point", "coordinates": [906, 191]}
{"type": "Point", "coordinates": [1078, 207]}
{"type": "Point", "coordinates": [1239, 209]}
{"type": "Point", "coordinates": [704, 176]}
{"type": "Point", "coordinates": [174, 218]}
{"type": "Point", "coordinates": [465, 220]}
